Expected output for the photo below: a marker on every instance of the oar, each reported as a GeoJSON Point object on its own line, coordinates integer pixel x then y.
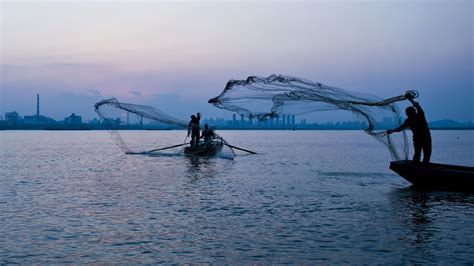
{"type": "Point", "coordinates": [237, 148]}
{"type": "Point", "coordinates": [174, 146]}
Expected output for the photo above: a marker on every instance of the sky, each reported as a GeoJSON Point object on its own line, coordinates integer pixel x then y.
{"type": "Point", "coordinates": [175, 55]}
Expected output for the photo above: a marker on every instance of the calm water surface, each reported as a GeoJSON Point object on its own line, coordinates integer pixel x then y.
{"type": "Point", "coordinates": [307, 197]}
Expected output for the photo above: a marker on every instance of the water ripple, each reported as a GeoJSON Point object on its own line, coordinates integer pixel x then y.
{"type": "Point", "coordinates": [89, 203]}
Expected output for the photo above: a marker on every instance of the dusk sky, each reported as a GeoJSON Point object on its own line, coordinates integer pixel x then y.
{"type": "Point", "coordinates": [177, 55]}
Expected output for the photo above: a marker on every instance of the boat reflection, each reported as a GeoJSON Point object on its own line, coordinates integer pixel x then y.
{"type": "Point", "coordinates": [424, 217]}
{"type": "Point", "coordinates": [199, 168]}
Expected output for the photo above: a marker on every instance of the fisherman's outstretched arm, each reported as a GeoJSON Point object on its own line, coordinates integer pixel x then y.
{"type": "Point", "coordinates": [417, 106]}
{"type": "Point", "coordinates": [398, 129]}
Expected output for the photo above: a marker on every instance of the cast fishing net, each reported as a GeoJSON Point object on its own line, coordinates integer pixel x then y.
{"type": "Point", "coordinates": [159, 133]}
{"type": "Point", "coordinates": [267, 98]}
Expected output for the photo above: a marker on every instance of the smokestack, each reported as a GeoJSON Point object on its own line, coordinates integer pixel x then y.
{"type": "Point", "coordinates": [37, 105]}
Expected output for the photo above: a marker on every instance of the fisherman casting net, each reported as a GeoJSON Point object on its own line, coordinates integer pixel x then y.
{"type": "Point", "coordinates": [268, 98]}
{"type": "Point", "coordinates": [158, 135]}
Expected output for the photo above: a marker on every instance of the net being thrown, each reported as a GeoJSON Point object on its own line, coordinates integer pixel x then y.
{"type": "Point", "coordinates": [120, 117]}
{"type": "Point", "coordinates": [263, 98]}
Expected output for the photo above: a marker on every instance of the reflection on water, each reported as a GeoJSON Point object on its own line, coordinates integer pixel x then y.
{"type": "Point", "coordinates": [197, 167]}
{"type": "Point", "coordinates": [306, 198]}
{"type": "Point", "coordinates": [428, 216]}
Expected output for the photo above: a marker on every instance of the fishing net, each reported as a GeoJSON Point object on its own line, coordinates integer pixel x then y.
{"type": "Point", "coordinates": [142, 129]}
{"type": "Point", "coordinates": [267, 98]}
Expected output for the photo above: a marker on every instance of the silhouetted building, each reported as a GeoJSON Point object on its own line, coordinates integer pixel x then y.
{"type": "Point", "coordinates": [11, 117]}
{"type": "Point", "coordinates": [111, 121]}
{"type": "Point", "coordinates": [234, 120]}
{"type": "Point", "coordinates": [73, 119]}
{"type": "Point", "coordinates": [30, 119]}
{"type": "Point", "coordinates": [94, 121]}
{"type": "Point", "coordinates": [37, 104]}
{"type": "Point", "coordinates": [37, 119]}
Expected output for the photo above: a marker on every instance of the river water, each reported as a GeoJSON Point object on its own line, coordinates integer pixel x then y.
{"type": "Point", "coordinates": [308, 197]}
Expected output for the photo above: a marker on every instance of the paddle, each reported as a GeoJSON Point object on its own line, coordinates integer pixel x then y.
{"type": "Point", "coordinates": [237, 148]}
{"type": "Point", "coordinates": [174, 146]}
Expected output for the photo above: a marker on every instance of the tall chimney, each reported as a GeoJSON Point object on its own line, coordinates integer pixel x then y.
{"type": "Point", "coordinates": [37, 105]}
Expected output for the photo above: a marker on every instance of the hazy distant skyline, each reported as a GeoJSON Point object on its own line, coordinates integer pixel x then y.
{"type": "Point", "coordinates": [177, 55]}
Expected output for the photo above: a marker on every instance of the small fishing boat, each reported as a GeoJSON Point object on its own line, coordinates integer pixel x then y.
{"type": "Point", "coordinates": [434, 175]}
{"type": "Point", "coordinates": [205, 149]}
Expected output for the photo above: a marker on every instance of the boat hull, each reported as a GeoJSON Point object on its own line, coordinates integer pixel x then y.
{"type": "Point", "coordinates": [204, 150]}
{"type": "Point", "coordinates": [433, 175]}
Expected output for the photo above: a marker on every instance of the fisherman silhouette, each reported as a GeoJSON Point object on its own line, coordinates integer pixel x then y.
{"type": "Point", "coordinates": [207, 133]}
{"type": "Point", "coordinates": [416, 121]}
{"type": "Point", "coordinates": [194, 129]}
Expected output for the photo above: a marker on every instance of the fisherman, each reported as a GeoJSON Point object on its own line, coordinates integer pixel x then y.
{"type": "Point", "coordinates": [194, 129]}
{"type": "Point", "coordinates": [207, 134]}
{"type": "Point", "coordinates": [416, 121]}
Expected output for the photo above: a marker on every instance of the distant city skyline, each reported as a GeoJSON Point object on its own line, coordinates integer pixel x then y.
{"type": "Point", "coordinates": [14, 120]}
{"type": "Point", "coordinates": [177, 55]}
{"type": "Point", "coordinates": [227, 116]}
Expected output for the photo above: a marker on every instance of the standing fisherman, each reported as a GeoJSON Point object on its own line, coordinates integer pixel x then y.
{"type": "Point", "coordinates": [416, 121]}
{"type": "Point", "coordinates": [194, 129]}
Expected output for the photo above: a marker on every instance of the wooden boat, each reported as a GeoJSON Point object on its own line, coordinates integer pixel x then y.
{"type": "Point", "coordinates": [205, 149]}
{"type": "Point", "coordinates": [434, 175]}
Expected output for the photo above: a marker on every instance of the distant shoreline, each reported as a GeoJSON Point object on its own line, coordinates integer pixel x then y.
{"type": "Point", "coordinates": [220, 129]}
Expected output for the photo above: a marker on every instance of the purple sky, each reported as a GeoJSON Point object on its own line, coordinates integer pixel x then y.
{"type": "Point", "coordinates": [175, 56]}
